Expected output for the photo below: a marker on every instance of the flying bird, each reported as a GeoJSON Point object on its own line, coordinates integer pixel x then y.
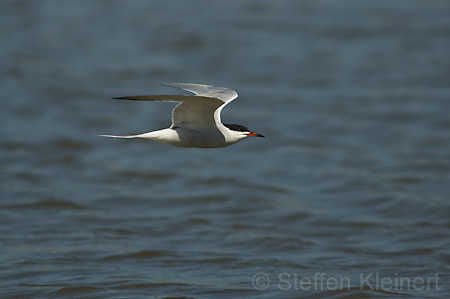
{"type": "Point", "coordinates": [196, 119]}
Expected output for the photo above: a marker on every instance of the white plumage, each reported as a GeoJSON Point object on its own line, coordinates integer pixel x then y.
{"type": "Point", "coordinates": [196, 120]}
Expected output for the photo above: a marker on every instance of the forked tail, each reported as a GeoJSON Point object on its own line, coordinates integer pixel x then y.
{"type": "Point", "coordinates": [150, 135]}
{"type": "Point", "coordinates": [126, 136]}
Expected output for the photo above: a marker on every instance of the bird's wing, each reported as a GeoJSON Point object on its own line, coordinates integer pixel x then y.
{"type": "Point", "coordinates": [222, 93]}
{"type": "Point", "coordinates": [201, 111]}
{"type": "Point", "coordinates": [193, 112]}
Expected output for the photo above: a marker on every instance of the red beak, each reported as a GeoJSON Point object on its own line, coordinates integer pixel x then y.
{"type": "Point", "coordinates": [253, 134]}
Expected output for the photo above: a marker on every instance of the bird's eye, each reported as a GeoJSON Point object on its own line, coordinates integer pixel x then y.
{"type": "Point", "coordinates": [238, 128]}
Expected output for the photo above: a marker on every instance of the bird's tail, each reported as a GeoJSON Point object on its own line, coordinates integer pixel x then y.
{"type": "Point", "coordinates": [149, 135]}
{"type": "Point", "coordinates": [116, 136]}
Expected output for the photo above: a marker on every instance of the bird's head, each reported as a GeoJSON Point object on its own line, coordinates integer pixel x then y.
{"type": "Point", "coordinates": [242, 132]}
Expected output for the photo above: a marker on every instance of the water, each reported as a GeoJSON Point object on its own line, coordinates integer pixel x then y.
{"type": "Point", "coordinates": [347, 197]}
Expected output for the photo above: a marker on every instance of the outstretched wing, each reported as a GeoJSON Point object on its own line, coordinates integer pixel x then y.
{"type": "Point", "coordinates": [199, 112]}
{"type": "Point", "coordinates": [193, 112]}
{"type": "Point", "coordinates": [222, 93]}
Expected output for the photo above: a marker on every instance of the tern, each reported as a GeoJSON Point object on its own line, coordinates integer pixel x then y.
{"type": "Point", "coordinates": [196, 119]}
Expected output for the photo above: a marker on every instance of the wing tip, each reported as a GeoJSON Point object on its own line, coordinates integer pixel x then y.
{"type": "Point", "coordinates": [136, 98]}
